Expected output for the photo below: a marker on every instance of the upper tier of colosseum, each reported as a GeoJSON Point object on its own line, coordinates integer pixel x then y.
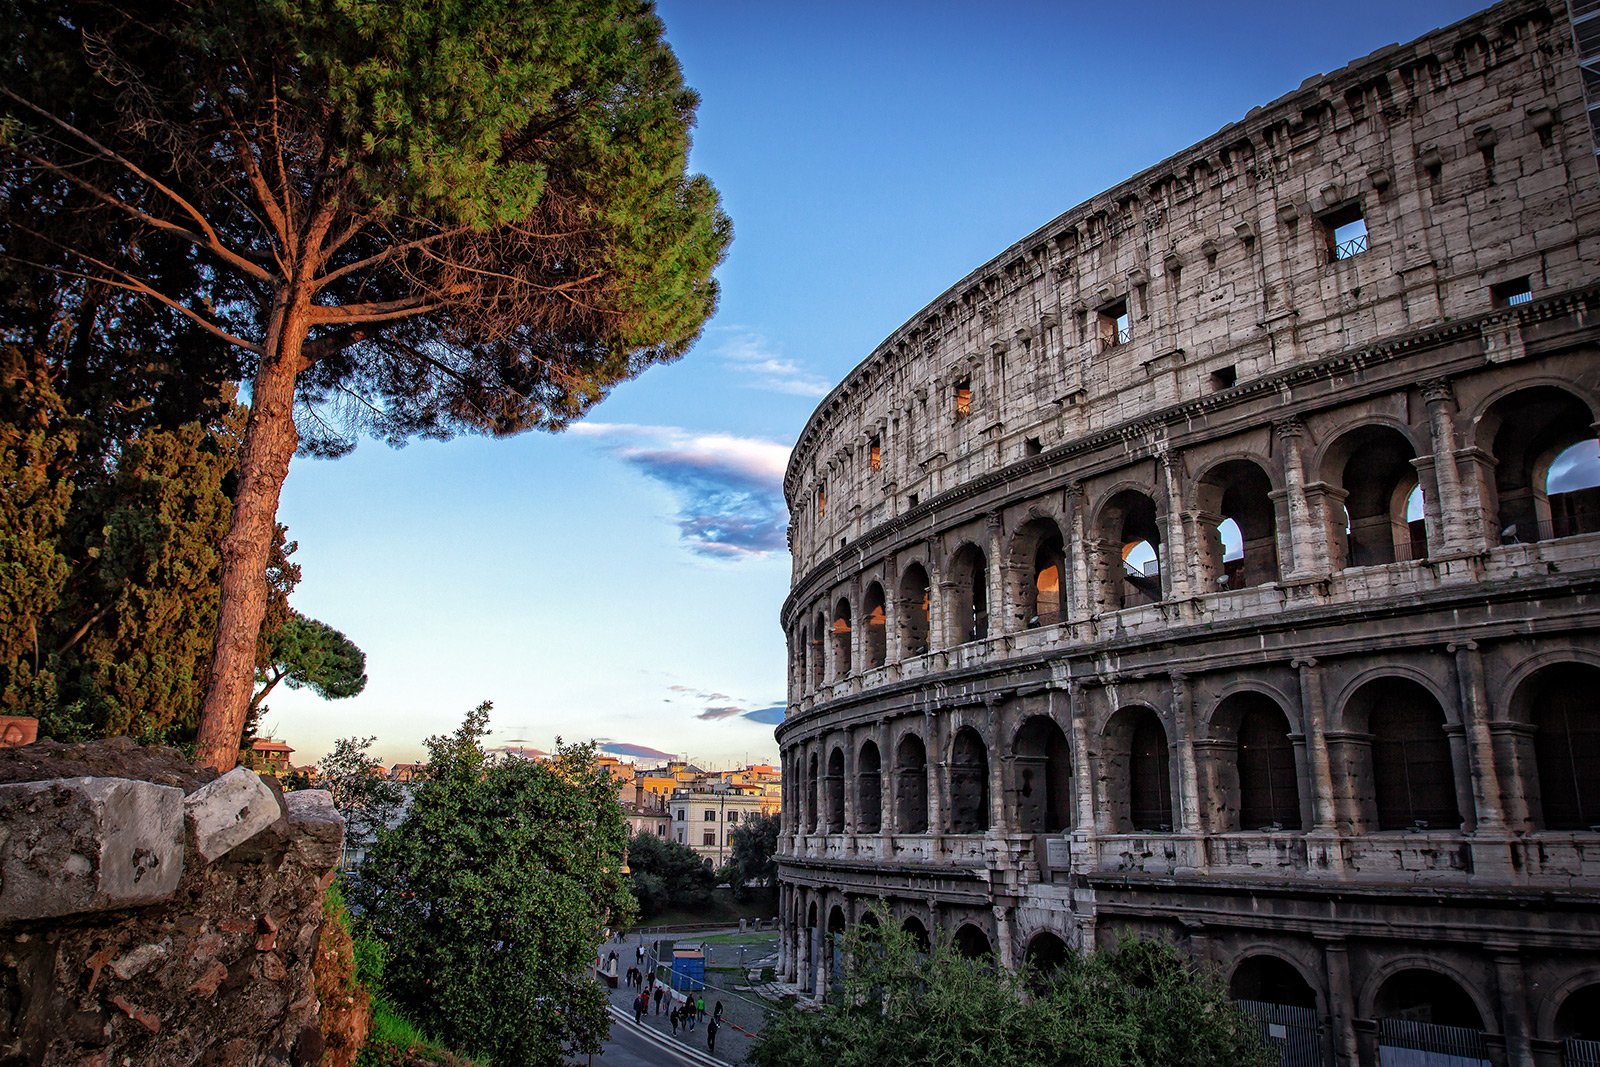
{"type": "Point", "coordinates": [1419, 187]}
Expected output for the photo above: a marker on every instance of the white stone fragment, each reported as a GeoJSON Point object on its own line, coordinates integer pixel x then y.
{"type": "Point", "coordinates": [70, 845]}
{"type": "Point", "coordinates": [229, 812]}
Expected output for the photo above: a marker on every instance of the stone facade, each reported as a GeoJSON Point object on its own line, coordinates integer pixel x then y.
{"type": "Point", "coordinates": [1217, 564]}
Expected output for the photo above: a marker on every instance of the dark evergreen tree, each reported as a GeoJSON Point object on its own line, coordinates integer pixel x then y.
{"type": "Point", "coordinates": [412, 217]}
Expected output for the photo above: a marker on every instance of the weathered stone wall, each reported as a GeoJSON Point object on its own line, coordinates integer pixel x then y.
{"type": "Point", "coordinates": [1334, 731]}
{"type": "Point", "coordinates": [153, 914]}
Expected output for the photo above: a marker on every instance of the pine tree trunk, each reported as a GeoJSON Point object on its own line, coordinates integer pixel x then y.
{"type": "Point", "coordinates": [269, 443]}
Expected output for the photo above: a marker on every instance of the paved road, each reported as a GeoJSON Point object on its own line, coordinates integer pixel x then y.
{"type": "Point", "coordinates": [627, 1049]}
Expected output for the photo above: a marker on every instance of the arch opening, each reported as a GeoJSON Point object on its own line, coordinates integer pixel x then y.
{"type": "Point", "coordinates": [1546, 464]}
{"type": "Point", "coordinates": [833, 791]}
{"type": "Point", "coordinates": [869, 790]}
{"type": "Point", "coordinates": [1243, 547]}
{"type": "Point", "coordinates": [969, 783]}
{"type": "Point", "coordinates": [1128, 526]}
{"type": "Point", "coordinates": [911, 786]}
{"type": "Point", "coordinates": [912, 610]}
{"type": "Point", "coordinates": [1271, 980]}
{"type": "Point", "coordinates": [969, 595]}
{"type": "Point", "coordinates": [1413, 771]}
{"type": "Point", "coordinates": [1138, 779]}
{"type": "Point", "coordinates": [1424, 996]}
{"type": "Point", "coordinates": [872, 616]}
{"type": "Point", "coordinates": [841, 631]}
{"type": "Point", "coordinates": [1558, 703]}
{"type": "Point", "coordinates": [1372, 467]}
{"type": "Point", "coordinates": [1041, 768]}
{"type": "Point", "coordinates": [971, 942]}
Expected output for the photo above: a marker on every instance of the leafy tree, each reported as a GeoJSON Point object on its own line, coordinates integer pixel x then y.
{"type": "Point", "coordinates": [667, 876]}
{"type": "Point", "coordinates": [1138, 1005]}
{"type": "Point", "coordinates": [362, 792]}
{"type": "Point", "coordinates": [309, 654]}
{"type": "Point", "coordinates": [492, 894]}
{"type": "Point", "coordinates": [414, 218]}
{"type": "Point", "coordinates": [755, 856]}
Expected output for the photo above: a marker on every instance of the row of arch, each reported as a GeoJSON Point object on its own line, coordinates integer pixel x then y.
{"type": "Point", "coordinates": [1375, 497]}
{"type": "Point", "coordinates": [1408, 988]}
{"type": "Point", "coordinates": [1403, 768]}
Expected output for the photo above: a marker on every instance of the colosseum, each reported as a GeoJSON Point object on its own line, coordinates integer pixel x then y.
{"type": "Point", "coordinates": [1221, 563]}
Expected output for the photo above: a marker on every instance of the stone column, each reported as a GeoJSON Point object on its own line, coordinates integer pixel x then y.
{"type": "Point", "coordinates": [993, 574]}
{"type": "Point", "coordinates": [1441, 402]}
{"type": "Point", "coordinates": [1080, 551]}
{"type": "Point", "coordinates": [933, 738]}
{"type": "Point", "coordinates": [1513, 985]}
{"type": "Point", "coordinates": [1175, 567]}
{"type": "Point", "coordinates": [1183, 747]}
{"type": "Point", "coordinates": [1303, 546]}
{"type": "Point", "coordinates": [999, 823]}
{"type": "Point", "coordinates": [1002, 937]}
{"type": "Point", "coordinates": [1325, 813]}
{"type": "Point", "coordinates": [848, 784]}
{"type": "Point", "coordinates": [1475, 714]}
{"type": "Point", "coordinates": [888, 777]}
{"type": "Point", "coordinates": [1090, 813]}
{"type": "Point", "coordinates": [1340, 1002]}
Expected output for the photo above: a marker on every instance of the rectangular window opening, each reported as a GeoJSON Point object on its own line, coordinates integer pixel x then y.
{"type": "Point", "coordinates": [1224, 378]}
{"type": "Point", "coordinates": [709, 838]}
{"type": "Point", "coordinates": [1509, 294]}
{"type": "Point", "coordinates": [822, 501]}
{"type": "Point", "coordinates": [912, 498]}
{"type": "Point", "coordinates": [1116, 328]}
{"type": "Point", "coordinates": [963, 398]}
{"type": "Point", "coordinates": [1032, 446]}
{"type": "Point", "coordinates": [875, 452]}
{"type": "Point", "coordinates": [1346, 231]}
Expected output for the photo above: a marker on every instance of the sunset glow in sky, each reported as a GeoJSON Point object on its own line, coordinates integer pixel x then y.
{"type": "Point", "coordinates": [622, 581]}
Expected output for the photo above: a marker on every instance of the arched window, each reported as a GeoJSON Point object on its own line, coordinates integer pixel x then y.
{"type": "Point", "coordinates": [1372, 467]}
{"type": "Point", "coordinates": [1269, 795]}
{"type": "Point", "coordinates": [1546, 464]}
{"type": "Point", "coordinates": [1243, 549]}
{"type": "Point", "coordinates": [813, 815]}
{"type": "Point", "coordinates": [1041, 769]}
{"type": "Point", "coordinates": [912, 611]}
{"type": "Point", "coordinates": [841, 639]}
{"type": "Point", "coordinates": [1413, 773]}
{"type": "Point", "coordinates": [818, 628]}
{"type": "Point", "coordinates": [918, 932]}
{"type": "Point", "coordinates": [873, 618]}
{"type": "Point", "coordinates": [869, 790]}
{"type": "Point", "coordinates": [1034, 579]}
{"type": "Point", "coordinates": [911, 786]}
{"type": "Point", "coordinates": [1422, 996]}
{"type": "Point", "coordinates": [972, 942]}
{"type": "Point", "coordinates": [1579, 1016]}
{"type": "Point", "coordinates": [1271, 980]}
{"type": "Point", "coordinates": [1129, 529]}
{"type": "Point", "coordinates": [834, 791]}
{"type": "Point", "coordinates": [1045, 954]}
{"type": "Point", "coordinates": [969, 595]}
{"type": "Point", "coordinates": [1138, 786]}
{"type": "Point", "coordinates": [969, 783]}
{"type": "Point", "coordinates": [1559, 703]}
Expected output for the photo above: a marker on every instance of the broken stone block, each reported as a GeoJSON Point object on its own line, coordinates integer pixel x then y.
{"type": "Point", "coordinates": [70, 845]}
{"type": "Point", "coordinates": [318, 827]}
{"type": "Point", "coordinates": [229, 812]}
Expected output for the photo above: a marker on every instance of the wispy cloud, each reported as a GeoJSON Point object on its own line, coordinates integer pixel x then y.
{"type": "Point", "coordinates": [752, 357]}
{"type": "Point", "coordinates": [729, 489]}
{"type": "Point", "coordinates": [724, 712]}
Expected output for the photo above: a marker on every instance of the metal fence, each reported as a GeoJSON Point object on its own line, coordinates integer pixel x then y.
{"type": "Point", "coordinates": [1406, 1043]}
{"type": "Point", "coordinates": [1296, 1033]}
{"type": "Point", "coordinates": [1576, 1053]}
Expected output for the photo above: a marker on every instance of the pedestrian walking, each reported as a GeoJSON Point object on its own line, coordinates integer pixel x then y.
{"type": "Point", "coordinates": [688, 1014]}
{"type": "Point", "coordinates": [711, 1035]}
{"type": "Point", "coordinates": [639, 1005]}
{"type": "Point", "coordinates": [659, 991]}
{"type": "Point", "coordinates": [700, 1006]}
{"type": "Point", "coordinates": [673, 1017]}
{"type": "Point", "coordinates": [718, 1013]}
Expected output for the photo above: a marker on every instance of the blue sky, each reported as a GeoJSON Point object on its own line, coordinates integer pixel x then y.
{"type": "Point", "coordinates": [622, 581]}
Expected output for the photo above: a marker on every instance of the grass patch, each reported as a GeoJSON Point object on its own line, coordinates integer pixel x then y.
{"type": "Point", "coordinates": [395, 1041]}
{"type": "Point", "coordinates": [754, 937]}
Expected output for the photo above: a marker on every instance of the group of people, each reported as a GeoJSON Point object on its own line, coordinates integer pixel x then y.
{"type": "Point", "coordinates": [690, 1012]}
{"type": "Point", "coordinates": [682, 1016]}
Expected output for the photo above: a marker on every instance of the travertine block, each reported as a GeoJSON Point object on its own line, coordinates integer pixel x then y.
{"type": "Point", "coordinates": [229, 812]}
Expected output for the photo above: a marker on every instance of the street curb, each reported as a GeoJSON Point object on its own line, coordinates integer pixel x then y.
{"type": "Point", "coordinates": [705, 1059]}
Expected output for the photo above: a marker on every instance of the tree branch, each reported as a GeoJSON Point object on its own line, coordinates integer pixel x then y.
{"type": "Point", "coordinates": [212, 241]}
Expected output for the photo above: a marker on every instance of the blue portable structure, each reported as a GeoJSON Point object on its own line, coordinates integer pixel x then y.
{"type": "Point", "coordinates": [688, 969]}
